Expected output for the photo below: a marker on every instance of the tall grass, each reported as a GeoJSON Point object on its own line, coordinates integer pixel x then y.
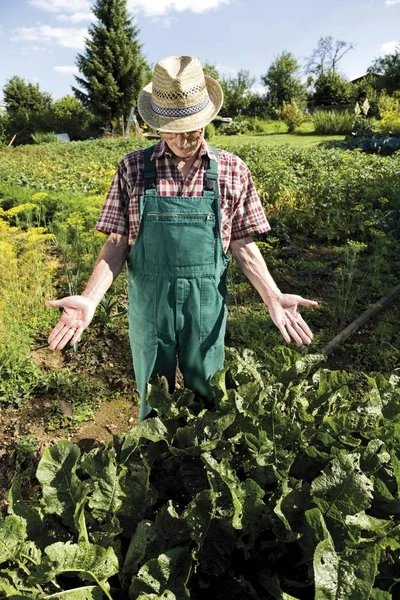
{"type": "Point", "coordinates": [332, 122]}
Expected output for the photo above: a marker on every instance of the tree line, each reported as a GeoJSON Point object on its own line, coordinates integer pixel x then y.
{"type": "Point", "coordinates": [113, 69]}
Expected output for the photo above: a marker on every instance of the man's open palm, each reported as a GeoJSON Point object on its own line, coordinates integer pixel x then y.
{"type": "Point", "coordinates": [78, 312]}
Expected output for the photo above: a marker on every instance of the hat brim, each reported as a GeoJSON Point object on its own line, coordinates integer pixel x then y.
{"type": "Point", "coordinates": [181, 124]}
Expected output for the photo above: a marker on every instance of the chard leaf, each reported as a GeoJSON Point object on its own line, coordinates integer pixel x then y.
{"type": "Point", "coordinates": [342, 489]}
{"type": "Point", "coordinates": [380, 595]}
{"type": "Point", "coordinates": [137, 494]}
{"type": "Point", "coordinates": [61, 487]}
{"type": "Point", "coordinates": [16, 506]}
{"type": "Point", "coordinates": [168, 572]}
{"type": "Point", "coordinates": [106, 498]}
{"type": "Point", "coordinates": [144, 535]}
{"type": "Point", "coordinates": [166, 595]}
{"type": "Point", "coordinates": [12, 538]}
{"type": "Point", "coordinates": [346, 576]}
{"type": "Point", "coordinates": [90, 561]}
{"type": "Point", "coordinates": [374, 456]}
{"type": "Point", "coordinates": [199, 514]}
{"type": "Point", "coordinates": [88, 592]}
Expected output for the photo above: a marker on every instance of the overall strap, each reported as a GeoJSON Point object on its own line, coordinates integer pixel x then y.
{"type": "Point", "coordinates": [211, 175]}
{"type": "Point", "coordinates": [149, 170]}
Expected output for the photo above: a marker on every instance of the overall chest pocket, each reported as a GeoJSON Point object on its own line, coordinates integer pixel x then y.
{"type": "Point", "coordinates": [179, 239]}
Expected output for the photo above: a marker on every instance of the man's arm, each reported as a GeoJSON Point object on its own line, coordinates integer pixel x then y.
{"type": "Point", "coordinates": [78, 311]}
{"type": "Point", "coordinates": [283, 308]}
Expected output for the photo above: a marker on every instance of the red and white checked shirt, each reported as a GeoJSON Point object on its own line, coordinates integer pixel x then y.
{"type": "Point", "coordinates": [242, 214]}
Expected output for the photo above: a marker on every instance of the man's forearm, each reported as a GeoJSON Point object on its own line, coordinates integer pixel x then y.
{"type": "Point", "coordinates": [252, 264]}
{"type": "Point", "coordinates": [108, 266]}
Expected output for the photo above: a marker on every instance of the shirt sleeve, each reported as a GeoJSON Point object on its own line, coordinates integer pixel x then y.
{"type": "Point", "coordinates": [114, 214]}
{"type": "Point", "coordinates": [249, 218]}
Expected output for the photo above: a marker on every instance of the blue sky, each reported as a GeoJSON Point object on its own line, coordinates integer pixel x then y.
{"type": "Point", "coordinates": [39, 39]}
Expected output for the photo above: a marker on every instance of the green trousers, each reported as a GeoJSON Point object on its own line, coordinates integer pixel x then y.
{"type": "Point", "coordinates": [177, 287]}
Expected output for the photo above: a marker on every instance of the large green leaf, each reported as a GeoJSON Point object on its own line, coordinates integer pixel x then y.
{"type": "Point", "coordinates": [12, 537]}
{"type": "Point", "coordinates": [342, 489]}
{"type": "Point", "coordinates": [106, 497]}
{"type": "Point", "coordinates": [35, 526]}
{"type": "Point", "coordinates": [88, 592]}
{"type": "Point", "coordinates": [89, 560]}
{"type": "Point", "coordinates": [61, 487]}
{"type": "Point", "coordinates": [346, 576]}
{"type": "Point", "coordinates": [168, 572]}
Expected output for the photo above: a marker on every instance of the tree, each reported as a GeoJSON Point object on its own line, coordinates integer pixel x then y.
{"type": "Point", "coordinates": [388, 67]}
{"type": "Point", "coordinates": [210, 70]}
{"type": "Point", "coordinates": [283, 82]}
{"type": "Point", "coordinates": [69, 116]}
{"type": "Point", "coordinates": [327, 55]}
{"type": "Point", "coordinates": [113, 67]}
{"type": "Point", "coordinates": [237, 93]}
{"type": "Point", "coordinates": [28, 109]}
{"type": "Point", "coordinates": [331, 89]}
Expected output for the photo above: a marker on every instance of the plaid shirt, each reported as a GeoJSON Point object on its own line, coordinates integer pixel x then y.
{"type": "Point", "coordinates": [242, 214]}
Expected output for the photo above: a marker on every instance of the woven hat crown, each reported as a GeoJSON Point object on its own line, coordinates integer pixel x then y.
{"type": "Point", "coordinates": [178, 82]}
{"type": "Point", "coordinates": [181, 97]}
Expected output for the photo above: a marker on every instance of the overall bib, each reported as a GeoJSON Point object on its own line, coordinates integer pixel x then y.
{"type": "Point", "coordinates": [177, 286]}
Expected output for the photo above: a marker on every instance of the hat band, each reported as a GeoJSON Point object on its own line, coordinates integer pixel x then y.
{"type": "Point", "coordinates": [187, 111]}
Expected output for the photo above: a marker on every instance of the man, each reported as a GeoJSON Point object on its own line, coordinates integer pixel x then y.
{"type": "Point", "coordinates": [172, 212]}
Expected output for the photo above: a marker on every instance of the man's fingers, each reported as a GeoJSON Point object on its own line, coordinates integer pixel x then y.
{"type": "Point", "coordinates": [309, 303]}
{"type": "Point", "coordinates": [54, 303]}
{"type": "Point", "coordinates": [76, 336]}
{"type": "Point", "coordinates": [62, 337]}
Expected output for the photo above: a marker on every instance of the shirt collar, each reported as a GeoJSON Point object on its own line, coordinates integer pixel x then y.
{"type": "Point", "coordinates": [162, 148]}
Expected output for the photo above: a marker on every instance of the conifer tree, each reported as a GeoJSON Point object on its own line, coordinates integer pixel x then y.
{"type": "Point", "coordinates": [113, 67]}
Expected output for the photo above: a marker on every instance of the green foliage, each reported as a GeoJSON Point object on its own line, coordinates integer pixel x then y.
{"type": "Point", "coordinates": [113, 69]}
{"type": "Point", "coordinates": [69, 116]}
{"type": "Point", "coordinates": [42, 137]}
{"type": "Point", "coordinates": [283, 82]}
{"type": "Point", "coordinates": [288, 463]}
{"type": "Point", "coordinates": [331, 89]}
{"type": "Point", "coordinates": [237, 94]}
{"type": "Point", "coordinates": [236, 127]}
{"type": "Point", "coordinates": [333, 122]}
{"type": "Point", "coordinates": [386, 70]}
{"type": "Point", "coordinates": [292, 115]}
{"type": "Point", "coordinates": [28, 108]}
{"type": "Point", "coordinates": [389, 112]}
{"type": "Point", "coordinates": [210, 131]}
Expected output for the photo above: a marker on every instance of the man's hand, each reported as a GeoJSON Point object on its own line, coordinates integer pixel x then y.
{"type": "Point", "coordinates": [285, 314]}
{"type": "Point", "coordinates": [78, 311]}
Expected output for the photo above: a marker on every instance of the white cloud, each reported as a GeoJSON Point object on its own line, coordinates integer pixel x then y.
{"type": "Point", "coordinates": [390, 47]}
{"type": "Point", "coordinates": [77, 17]}
{"type": "Point", "coordinates": [67, 37]}
{"type": "Point", "coordinates": [57, 6]}
{"type": "Point", "coordinates": [66, 70]}
{"type": "Point", "coordinates": [161, 7]}
{"type": "Point", "coordinates": [392, 2]}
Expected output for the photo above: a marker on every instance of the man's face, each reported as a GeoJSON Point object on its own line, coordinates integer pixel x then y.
{"type": "Point", "coordinates": [184, 145]}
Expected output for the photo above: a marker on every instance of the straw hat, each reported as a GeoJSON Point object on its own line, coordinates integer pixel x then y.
{"type": "Point", "coordinates": [180, 98]}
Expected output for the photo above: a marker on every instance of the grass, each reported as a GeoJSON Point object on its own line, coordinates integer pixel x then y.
{"type": "Point", "coordinates": [276, 134]}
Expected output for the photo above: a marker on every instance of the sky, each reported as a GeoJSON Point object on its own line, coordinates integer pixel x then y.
{"type": "Point", "coordinates": [40, 39]}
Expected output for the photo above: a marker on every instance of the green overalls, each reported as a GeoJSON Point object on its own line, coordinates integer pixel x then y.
{"type": "Point", "coordinates": [177, 286]}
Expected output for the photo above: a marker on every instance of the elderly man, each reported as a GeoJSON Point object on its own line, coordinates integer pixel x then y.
{"type": "Point", "coordinates": [172, 213]}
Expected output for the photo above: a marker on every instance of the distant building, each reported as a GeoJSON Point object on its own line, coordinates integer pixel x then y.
{"type": "Point", "coordinates": [367, 75]}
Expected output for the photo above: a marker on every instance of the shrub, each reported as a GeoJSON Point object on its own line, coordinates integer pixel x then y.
{"type": "Point", "coordinates": [237, 127]}
{"type": "Point", "coordinates": [389, 110]}
{"type": "Point", "coordinates": [292, 115]}
{"type": "Point", "coordinates": [209, 131]}
{"type": "Point", "coordinates": [332, 122]}
{"type": "Point", "coordinates": [44, 137]}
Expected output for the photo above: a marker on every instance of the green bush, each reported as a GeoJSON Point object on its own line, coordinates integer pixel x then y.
{"type": "Point", "coordinates": [332, 122]}
{"type": "Point", "coordinates": [44, 137]}
{"type": "Point", "coordinates": [292, 115]}
{"type": "Point", "coordinates": [237, 127]}
{"type": "Point", "coordinates": [389, 110]}
{"type": "Point", "coordinates": [209, 132]}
